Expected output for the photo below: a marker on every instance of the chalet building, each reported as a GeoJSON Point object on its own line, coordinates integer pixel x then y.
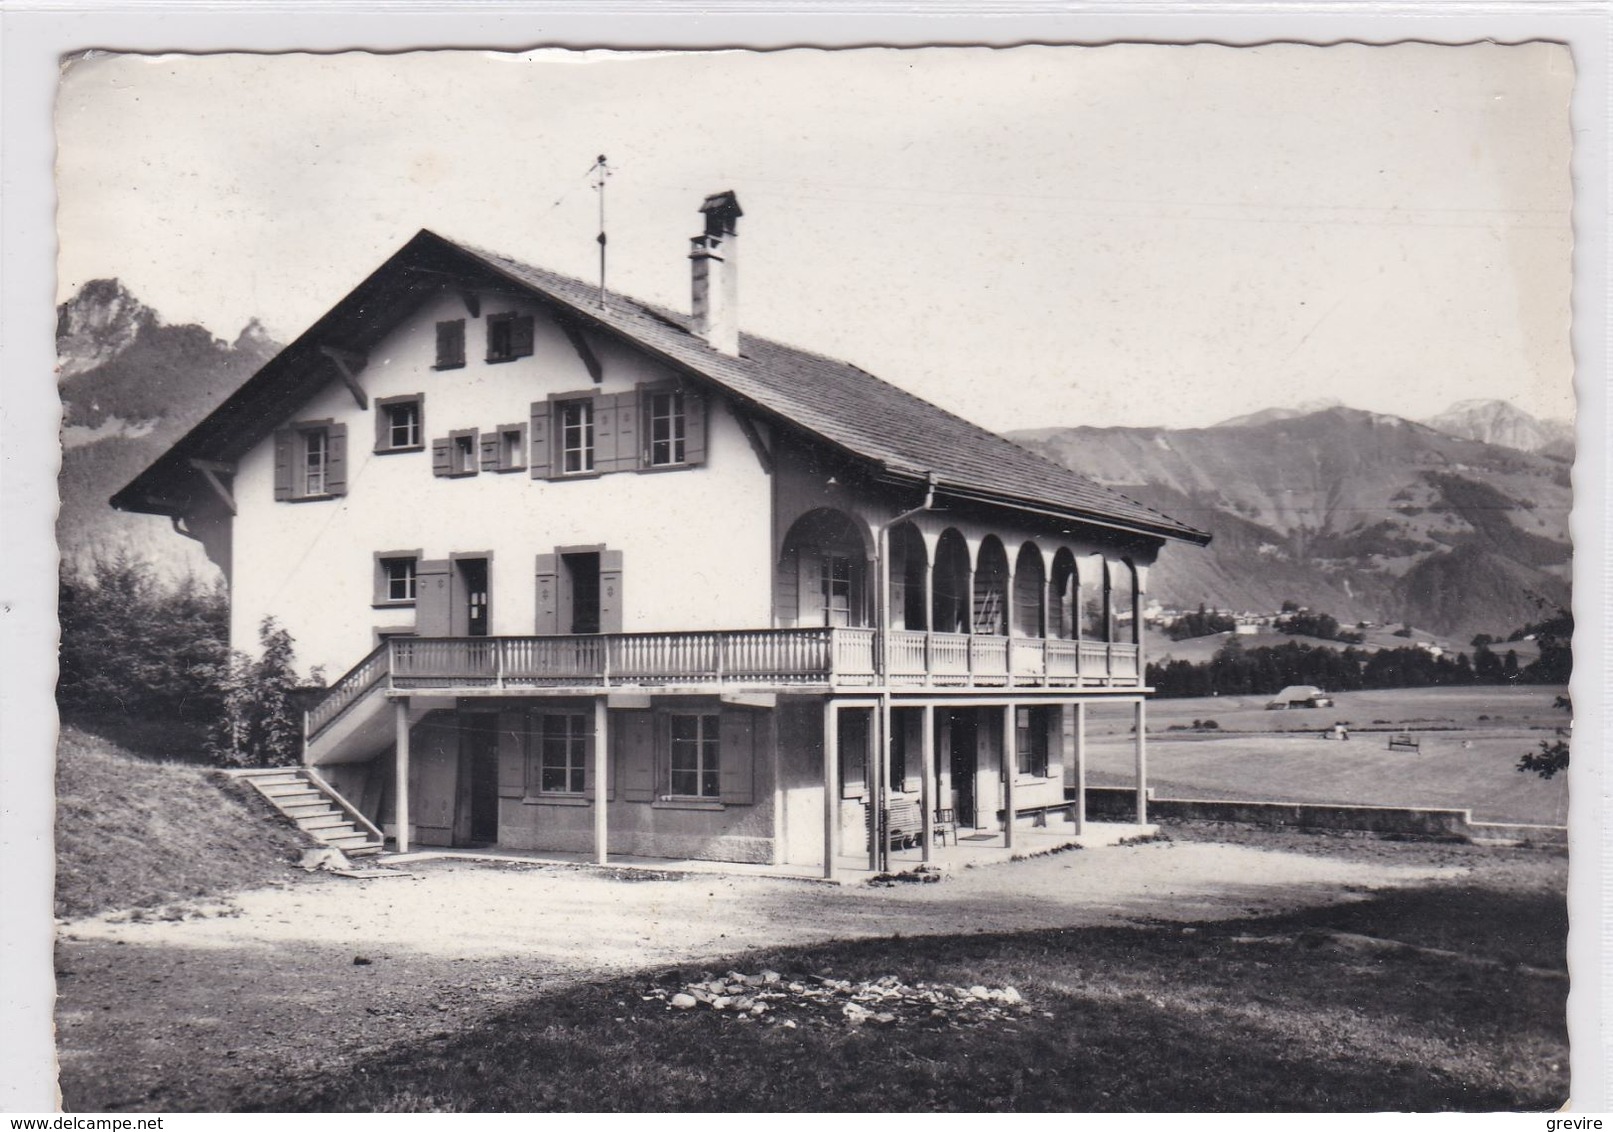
{"type": "Point", "coordinates": [606, 578]}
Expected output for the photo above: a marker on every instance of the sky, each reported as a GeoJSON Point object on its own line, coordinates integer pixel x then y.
{"type": "Point", "coordinates": [1031, 237]}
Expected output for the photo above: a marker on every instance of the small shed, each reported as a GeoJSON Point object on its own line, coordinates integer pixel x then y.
{"type": "Point", "coordinates": [1299, 696]}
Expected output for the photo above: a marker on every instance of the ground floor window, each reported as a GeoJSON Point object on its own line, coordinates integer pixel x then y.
{"type": "Point", "coordinates": [694, 764]}
{"type": "Point", "coordinates": [1030, 741]}
{"type": "Point", "coordinates": [562, 753]}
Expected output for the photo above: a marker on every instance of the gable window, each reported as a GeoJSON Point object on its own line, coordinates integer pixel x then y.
{"type": "Point", "coordinates": [664, 411]}
{"type": "Point", "coordinates": [509, 336]}
{"type": "Point", "coordinates": [310, 461]}
{"type": "Point", "coordinates": [398, 423]}
{"type": "Point", "coordinates": [576, 424]}
{"type": "Point", "coordinates": [693, 766]}
{"type": "Point", "coordinates": [395, 577]}
{"type": "Point", "coordinates": [1030, 742]}
{"type": "Point", "coordinates": [563, 753]}
{"type": "Point", "coordinates": [456, 454]}
{"type": "Point", "coordinates": [451, 344]}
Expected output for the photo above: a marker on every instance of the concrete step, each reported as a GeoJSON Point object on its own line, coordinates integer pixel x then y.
{"type": "Point", "coordinates": [291, 792]}
{"type": "Point", "coordinates": [350, 841]}
{"type": "Point", "coordinates": [325, 821]}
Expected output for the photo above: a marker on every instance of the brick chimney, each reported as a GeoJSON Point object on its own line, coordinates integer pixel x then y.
{"type": "Point", "coordinates": [714, 274]}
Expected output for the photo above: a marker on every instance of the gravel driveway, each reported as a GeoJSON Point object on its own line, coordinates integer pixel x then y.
{"type": "Point", "coordinates": [186, 1013]}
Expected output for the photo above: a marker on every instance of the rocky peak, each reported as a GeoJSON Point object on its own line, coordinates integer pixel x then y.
{"type": "Point", "coordinates": [96, 325]}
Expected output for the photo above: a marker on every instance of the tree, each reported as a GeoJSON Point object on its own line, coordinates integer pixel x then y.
{"type": "Point", "coordinates": [260, 724]}
{"type": "Point", "coordinates": [1553, 754]}
{"type": "Point", "coordinates": [132, 646]}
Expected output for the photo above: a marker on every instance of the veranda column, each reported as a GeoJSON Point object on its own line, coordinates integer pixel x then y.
{"type": "Point", "coordinates": [601, 760]}
{"type": "Point", "coordinates": [1078, 812]}
{"type": "Point", "coordinates": [1010, 766]}
{"type": "Point", "coordinates": [831, 806]}
{"type": "Point", "coordinates": [400, 772]}
{"type": "Point", "coordinates": [1142, 764]}
{"type": "Point", "coordinates": [927, 781]}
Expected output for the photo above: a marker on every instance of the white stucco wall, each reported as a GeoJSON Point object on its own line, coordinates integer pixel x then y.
{"type": "Point", "coordinates": [695, 542]}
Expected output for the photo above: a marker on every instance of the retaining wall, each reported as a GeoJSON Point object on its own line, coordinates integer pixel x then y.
{"type": "Point", "coordinates": [1120, 804]}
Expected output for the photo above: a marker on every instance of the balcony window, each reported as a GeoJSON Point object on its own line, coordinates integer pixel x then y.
{"type": "Point", "coordinates": [563, 741]}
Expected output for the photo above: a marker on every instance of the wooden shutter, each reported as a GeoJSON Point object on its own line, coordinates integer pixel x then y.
{"type": "Point", "coordinates": [912, 724]}
{"type": "Point", "coordinates": [283, 447]}
{"type": "Point", "coordinates": [442, 461]}
{"type": "Point", "coordinates": [809, 596]}
{"type": "Point", "coordinates": [736, 765]}
{"type": "Point", "coordinates": [606, 425]}
{"type": "Point", "coordinates": [548, 595]}
{"type": "Point", "coordinates": [538, 436]}
{"type": "Point", "coordinates": [336, 460]}
{"type": "Point", "coordinates": [610, 591]}
{"type": "Point", "coordinates": [451, 344]}
{"type": "Point", "coordinates": [521, 336]}
{"type": "Point", "coordinates": [490, 444]}
{"type": "Point", "coordinates": [511, 754]}
{"type": "Point", "coordinates": [628, 418]}
{"type": "Point", "coordinates": [694, 427]}
{"type": "Point", "coordinates": [635, 743]}
{"type": "Point", "coordinates": [433, 601]}
{"type": "Point", "coordinates": [383, 427]}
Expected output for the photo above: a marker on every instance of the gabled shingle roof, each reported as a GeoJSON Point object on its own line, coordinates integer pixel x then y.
{"type": "Point", "coordinates": [903, 436]}
{"type": "Point", "coordinates": [854, 410]}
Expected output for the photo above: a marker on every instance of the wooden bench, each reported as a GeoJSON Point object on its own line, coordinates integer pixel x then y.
{"type": "Point", "coordinates": [904, 824]}
{"type": "Point", "coordinates": [1404, 743]}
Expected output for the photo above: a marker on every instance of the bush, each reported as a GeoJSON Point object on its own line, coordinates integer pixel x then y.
{"type": "Point", "coordinates": [260, 724]}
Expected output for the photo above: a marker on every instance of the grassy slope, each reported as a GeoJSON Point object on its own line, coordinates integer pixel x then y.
{"type": "Point", "coordinates": [1234, 1016]}
{"type": "Point", "coordinates": [133, 833]}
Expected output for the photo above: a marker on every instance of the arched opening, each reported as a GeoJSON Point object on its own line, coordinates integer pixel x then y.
{"type": "Point", "coordinates": [1061, 597]}
{"type": "Point", "coordinates": [991, 589]}
{"type": "Point", "coordinates": [1123, 601]}
{"type": "Point", "coordinates": [823, 572]}
{"type": "Point", "coordinates": [909, 573]}
{"type": "Point", "coordinates": [1092, 577]}
{"type": "Point", "coordinates": [949, 584]}
{"type": "Point", "coordinates": [1030, 593]}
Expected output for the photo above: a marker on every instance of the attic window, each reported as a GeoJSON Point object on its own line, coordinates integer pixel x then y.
{"type": "Point", "coordinates": [456, 454]}
{"type": "Point", "coordinates": [398, 423]}
{"type": "Point", "coordinates": [509, 336]}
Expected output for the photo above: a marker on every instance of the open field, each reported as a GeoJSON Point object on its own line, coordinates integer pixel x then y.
{"type": "Point", "coordinates": [1279, 973]}
{"type": "Point", "coordinates": [1471, 740]}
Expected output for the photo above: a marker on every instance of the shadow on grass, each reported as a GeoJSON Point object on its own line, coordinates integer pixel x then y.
{"type": "Point", "coordinates": [1229, 1016]}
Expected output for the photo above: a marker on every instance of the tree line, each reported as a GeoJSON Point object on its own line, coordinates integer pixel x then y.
{"type": "Point", "coordinates": [1235, 670]}
{"type": "Point", "coordinates": [149, 651]}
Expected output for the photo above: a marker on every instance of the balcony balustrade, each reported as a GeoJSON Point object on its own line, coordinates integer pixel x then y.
{"type": "Point", "coordinates": [825, 658]}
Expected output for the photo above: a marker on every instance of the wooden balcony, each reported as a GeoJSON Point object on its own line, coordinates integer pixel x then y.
{"type": "Point", "coordinates": [827, 658]}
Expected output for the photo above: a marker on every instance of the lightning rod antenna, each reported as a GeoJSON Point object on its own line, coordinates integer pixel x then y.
{"type": "Point", "coordinates": [601, 172]}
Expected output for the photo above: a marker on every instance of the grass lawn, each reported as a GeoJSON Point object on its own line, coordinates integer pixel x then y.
{"type": "Point", "coordinates": [1308, 1011]}
{"type": "Point", "coordinates": [131, 832]}
{"type": "Point", "coordinates": [1471, 740]}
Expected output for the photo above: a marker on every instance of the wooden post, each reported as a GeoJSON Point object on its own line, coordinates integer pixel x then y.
{"type": "Point", "coordinates": [601, 762]}
{"type": "Point", "coordinates": [1010, 747]}
{"type": "Point", "coordinates": [1142, 765]}
{"type": "Point", "coordinates": [400, 790]}
{"type": "Point", "coordinates": [875, 761]}
{"type": "Point", "coordinates": [927, 780]}
{"type": "Point", "coordinates": [831, 795]}
{"type": "Point", "coordinates": [1079, 810]}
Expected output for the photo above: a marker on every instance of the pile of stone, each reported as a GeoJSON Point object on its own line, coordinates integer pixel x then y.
{"type": "Point", "coordinates": [773, 999]}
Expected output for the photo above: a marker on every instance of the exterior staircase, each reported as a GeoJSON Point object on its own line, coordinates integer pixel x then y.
{"type": "Point", "coordinates": [315, 808]}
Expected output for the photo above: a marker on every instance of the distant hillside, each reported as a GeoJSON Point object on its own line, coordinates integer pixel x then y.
{"type": "Point", "coordinates": [1363, 515]}
{"type": "Point", "coordinates": [132, 385]}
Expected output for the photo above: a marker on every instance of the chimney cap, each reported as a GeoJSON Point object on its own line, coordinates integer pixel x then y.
{"type": "Point", "coordinates": [721, 211]}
